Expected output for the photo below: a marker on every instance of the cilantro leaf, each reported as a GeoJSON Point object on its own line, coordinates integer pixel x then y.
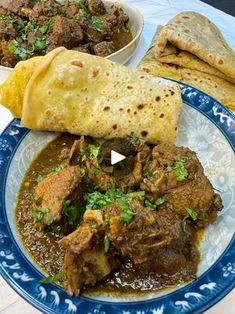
{"type": "Point", "coordinates": [155, 203]}
{"type": "Point", "coordinates": [39, 178]}
{"type": "Point", "coordinates": [191, 213]}
{"type": "Point", "coordinates": [126, 213]}
{"type": "Point", "coordinates": [39, 213]}
{"type": "Point", "coordinates": [71, 212]}
{"type": "Point", "coordinates": [93, 151]}
{"type": "Point", "coordinates": [134, 139]}
{"type": "Point", "coordinates": [57, 168]}
{"type": "Point", "coordinates": [14, 49]}
{"type": "Point", "coordinates": [96, 22]}
{"type": "Point", "coordinates": [61, 276]}
{"type": "Point", "coordinates": [148, 173]}
{"type": "Point", "coordinates": [178, 168]}
{"type": "Point", "coordinates": [94, 170]}
{"type": "Point", "coordinates": [39, 44]}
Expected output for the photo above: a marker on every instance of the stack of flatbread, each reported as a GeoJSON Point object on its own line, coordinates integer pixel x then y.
{"type": "Point", "coordinates": [191, 49]}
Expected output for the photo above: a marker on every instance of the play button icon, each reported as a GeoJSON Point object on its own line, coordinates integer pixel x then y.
{"type": "Point", "coordinates": [116, 157]}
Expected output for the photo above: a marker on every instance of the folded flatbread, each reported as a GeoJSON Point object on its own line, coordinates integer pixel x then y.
{"type": "Point", "coordinates": [70, 91]}
{"type": "Point", "coordinates": [194, 33]}
{"type": "Point", "coordinates": [191, 49]}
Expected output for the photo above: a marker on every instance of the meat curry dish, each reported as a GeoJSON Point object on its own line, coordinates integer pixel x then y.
{"type": "Point", "coordinates": [34, 27]}
{"type": "Point", "coordinates": [92, 230]}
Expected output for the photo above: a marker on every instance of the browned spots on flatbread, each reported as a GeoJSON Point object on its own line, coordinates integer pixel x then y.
{"type": "Point", "coordinates": [142, 77]}
{"type": "Point", "coordinates": [114, 126]}
{"type": "Point", "coordinates": [129, 87]}
{"type": "Point", "coordinates": [186, 31]}
{"type": "Point", "coordinates": [158, 98]}
{"type": "Point", "coordinates": [221, 61]}
{"type": "Point", "coordinates": [135, 112]}
{"type": "Point", "coordinates": [95, 73]}
{"type": "Point", "coordinates": [161, 115]}
{"type": "Point", "coordinates": [172, 92]}
{"type": "Point", "coordinates": [146, 70]}
{"type": "Point", "coordinates": [128, 110]}
{"type": "Point", "coordinates": [140, 106]}
{"type": "Point", "coordinates": [120, 109]}
{"type": "Point", "coordinates": [144, 133]}
{"type": "Point", "coordinates": [77, 63]}
{"type": "Point", "coordinates": [167, 95]}
{"type": "Point", "coordinates": [106, 108]}
{"type": "Point", "coordinates": [185, 17]}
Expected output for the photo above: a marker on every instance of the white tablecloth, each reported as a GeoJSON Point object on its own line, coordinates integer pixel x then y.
{"type": "Point", "coordinates": [155, 12]}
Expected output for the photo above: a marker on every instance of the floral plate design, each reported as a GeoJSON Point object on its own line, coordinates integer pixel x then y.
{"type": "Point", "coordinates": [206, 127]}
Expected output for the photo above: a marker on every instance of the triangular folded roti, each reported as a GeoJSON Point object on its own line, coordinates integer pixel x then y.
{"type": "Point", "coordinates": [188, 68]}
{"type": "Point", "coordinates": [70, 91]}
{"type": "Point", "coordinates": [195, 34]}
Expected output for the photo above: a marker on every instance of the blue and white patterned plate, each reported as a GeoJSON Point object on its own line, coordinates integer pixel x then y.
{"type": "Point", "coordinates": [207, 128]}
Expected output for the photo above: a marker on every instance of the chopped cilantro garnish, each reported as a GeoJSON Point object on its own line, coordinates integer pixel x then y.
{"type": "Point", "coordinates": [57, 168]}
{"type": "Point", "coordinates": [51, 219]}
{"type": "Point", "coordinates": [126, 28]}
{"type": "Point", "coordinates": [39, 213]}
{"type": "Point", "coordinates": [70, 212]}
{"type": "Point", "coordinates": [61, 276]}
{"type": "Point", "coordinates": [94, 170]}
{"type": "Point", "coordinates": [134, 139]}
{"type": "Point", "coordinates": [37, 200]}
{"type": "Point", "coordinates": [14, 49]}
{"type": "Point", "coordinates": [82, 172]}
{"type": "Point", "coordinates": [191, 213]}
{"type": "Point", "coordinates": [148, 173]}
{"type": "Point", "coordinates": [82, 155]}
{"type": "Point", "coordinates": [93, 151]}
{"type": "Point", "coordinates": [126, 214]}
{"type": "Point", "coordinates": [39, 44]}
{"type": "Point", "coordinates": [96, 22]}
{"type": "Point", "coordinates": [179, 169]}
{"type": "Point", "coordinates": [155, 203]}
{"type": "Point", "coordinates": [140, 195]}
{"type": "Point", "coordinates": [106, 244]}
{"type": "Point", "coordinates": [97, 200]}
{"type": "Point", "coordinates": [39, 178]}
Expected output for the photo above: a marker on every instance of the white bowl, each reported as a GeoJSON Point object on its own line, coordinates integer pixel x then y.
{"type": "Point", "coordinates": [137, 24]}
{"type": "Point", "coordinates": [124, 54]}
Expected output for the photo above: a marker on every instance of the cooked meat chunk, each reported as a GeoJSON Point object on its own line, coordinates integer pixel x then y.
{"type": "Point", "coordinates": [116, 17]}
{"type": "Point", "coordinates": [100, 178]}
{"type": "Point", "coordinates": [83, 48]}
{"type": "Point", "coordinates": [145, 234]}
{"type": "Point", "coordinates": [70, 9]}
{"type": "Point", "coordinates": [66, 32]}
{"type": "Point", "coordinates": [78, 148]}
{"type": "Point", "coordinates": [177, 173]}
{"type": "Point", "coordinates": [85, 261]}
{"type": "Point", "coordinates": [91, 34]}
{"type": "Point", "coordinates": [53, 190]}
{"type": "Point", "coordinates": [96, 7]}
{"type": "Point", "coordinates": [46, 8]}
{"type": "Point", "coordinates": [14, 6]}
{"type": "Point", "coordinates": [104, 48]}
